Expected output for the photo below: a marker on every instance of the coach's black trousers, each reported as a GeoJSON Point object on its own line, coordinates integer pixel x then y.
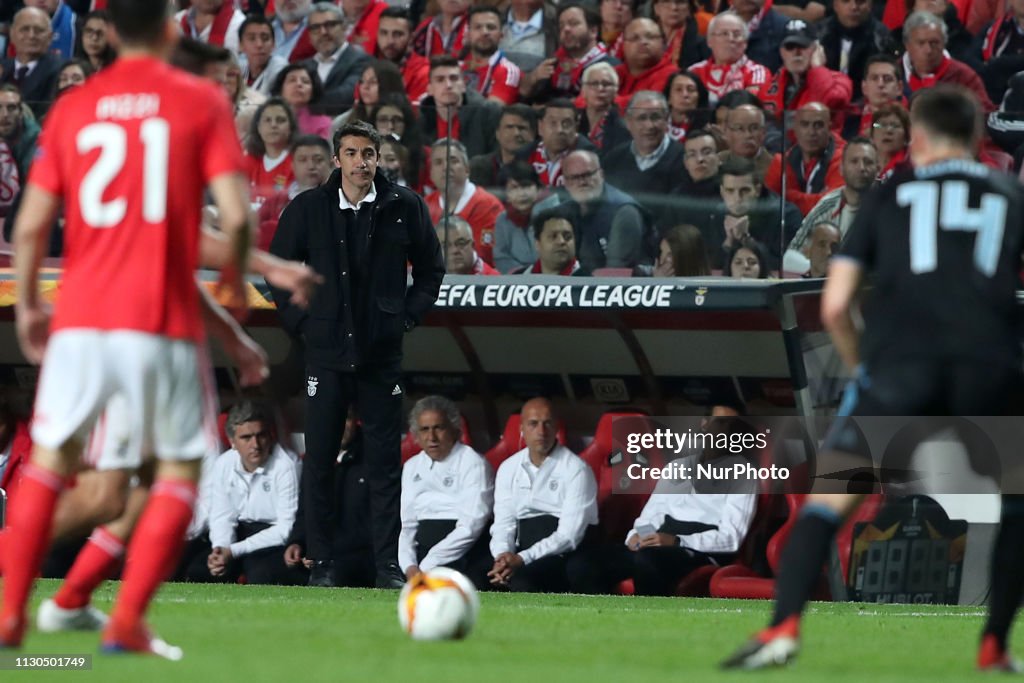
{"type": "Point", "coordinates": [376, 393]}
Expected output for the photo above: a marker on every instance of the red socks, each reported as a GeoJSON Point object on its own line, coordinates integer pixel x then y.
{"type": "Point", "coordinates": [27, 541]}
{"type": "Point", "coordinates": [95, 563]}
{"type": "Point", "coordinates": [154, 549]}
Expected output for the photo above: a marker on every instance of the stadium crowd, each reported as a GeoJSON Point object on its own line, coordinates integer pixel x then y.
{"type": "Point", "coordinates": [678, 137]}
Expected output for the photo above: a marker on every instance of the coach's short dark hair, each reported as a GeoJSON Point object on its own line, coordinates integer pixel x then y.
{"type": "Point", "coordinates": [562, 212]}
{"type": "Point", "coordinates": [948, 111]}
{"type": "Point", "coordinates": [356, 129]}
{"type": "Point", "coordinates": [139, 21]}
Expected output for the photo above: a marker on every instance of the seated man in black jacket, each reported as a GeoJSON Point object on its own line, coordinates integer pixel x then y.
{"type": "Point", "coordinates": [747, 211]}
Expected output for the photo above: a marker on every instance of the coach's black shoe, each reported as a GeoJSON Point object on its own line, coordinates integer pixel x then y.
{"type": "Point", "coordinates": [322, 574]}
{"type": "Point", "coordinates": [776, 646]}
{"type": "Point", "coordinates": [390, 576]}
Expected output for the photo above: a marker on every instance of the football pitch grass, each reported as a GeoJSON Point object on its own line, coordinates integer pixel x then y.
{"type": "Point", "coordinates": [252, 633]}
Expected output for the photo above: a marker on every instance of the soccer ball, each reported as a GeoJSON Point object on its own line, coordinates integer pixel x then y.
{"type": "Point", "coordinates": [441, 604]}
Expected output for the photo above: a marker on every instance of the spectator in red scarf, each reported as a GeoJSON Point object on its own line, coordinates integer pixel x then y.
{"type": "Point", "coordinates": [615, 14]}
{"type": "Point", "coordinates": [559, 136]}
{"type": "Point", "coordinates": [486, 68]}
{"type": "Point", "coordinates": [678, 22]}
{"type": "Point", "coordinates": [1002, 50]}
{"type": "Point", "coordinates": [729, 68]}
{"type": "Point", "coordinates": [926, 61]}
{"type": "Point", "coordinates": [444, 33]}
{"type": "Point", "coordinates": [600, 121]}
{"type": "Point", "coordinates": [882, 85]}
{"type": "Point", "coordinates": [647, 65]}
{"type": "Point", "coordinates": [514, 247]}
{"type": "Point", "coordinates": [578, 48]}
{"type": "Point", "coordinates": [555, 240]}
{"type": "Point", "coordinates": [212, 21]}
{"type": "Point", "coordinates": [687, 103]}
{"type": "Point", "coordinates": [890, 133]}
{"type": "Point", "coordinates": [364, 18]}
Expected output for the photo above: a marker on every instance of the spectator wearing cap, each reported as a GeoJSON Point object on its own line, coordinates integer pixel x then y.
{"type": "Point", "coordinates": [926, 61]}
{"type": "Point", "coordinates": [803, 78]}
{"type": "Point", "coordinates": [851, 35]}
{"type": "Point", "coordinates": [765, 27]}
{"type": "Point", "coordinates": [647, 65]}
{"type": "Point", "coordinates": [728, 68]}
{"type": "Point", "coordinates": [457, 195]}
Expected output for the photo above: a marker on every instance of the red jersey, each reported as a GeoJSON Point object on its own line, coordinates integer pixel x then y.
{"type": "Point", "coordinates": [130, 153]}
{"type": "Point", "coordinates": [497, 78]}
{"type": "Point", "coordinates": [264, 184]}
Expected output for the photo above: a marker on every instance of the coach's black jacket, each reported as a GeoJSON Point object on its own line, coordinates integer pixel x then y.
{"type": "Point", "coordinates": [343, 328]}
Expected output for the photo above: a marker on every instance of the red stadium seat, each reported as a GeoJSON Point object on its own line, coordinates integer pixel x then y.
{"type": "Point", "coordinates": [511, 441]}
{"type": "Point", "coordinates": [742, 581]}
{"type": "Point", "coordinates": [411, 448]}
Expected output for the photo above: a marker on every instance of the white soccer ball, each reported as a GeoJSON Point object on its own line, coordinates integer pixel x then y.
{"type": "Point", "coordinates": [441, 604]}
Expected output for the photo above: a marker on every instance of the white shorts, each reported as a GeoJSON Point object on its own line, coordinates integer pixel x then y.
{"type": "Point", "coordinates": [158, 392]}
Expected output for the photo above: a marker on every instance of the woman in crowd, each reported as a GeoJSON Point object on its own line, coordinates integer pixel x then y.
{"type": "Point", "coordinates": [394, 160]}
{"type": "Point", "coordinates": [682, 253]}
{"type": "Point", "coordinates": [72, 73]}
{"type": "Point", "coordinates": [747, 261]}
{"type": "Point", "coordinates": [300, 87]}
{"type": "Point", "coordinates": [395, 116]}
{"type": "Point", "coordinates": [94, 40]}
{"type": "Point", "coordinates": [600, 121]}
{"type": "Point", "coordinates": [890, 132]}
{"type": "Point", "coordinates": [380, 79]}
{"type": "Point", "coordinates": [687, 104]}
{"type": "Point", "coordinates": [513, 238]}
{"type": "Point", "coordinates": [678, 21]}
{"type": "Point", "coordinates": [269, 145]}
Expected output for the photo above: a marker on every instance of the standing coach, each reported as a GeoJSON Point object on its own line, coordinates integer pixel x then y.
{"type": "Point", "coordinates": [359, 231]}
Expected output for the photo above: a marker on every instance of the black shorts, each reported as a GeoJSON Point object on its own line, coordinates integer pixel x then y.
{"type": "Point", "coordinates": [943, 395]}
